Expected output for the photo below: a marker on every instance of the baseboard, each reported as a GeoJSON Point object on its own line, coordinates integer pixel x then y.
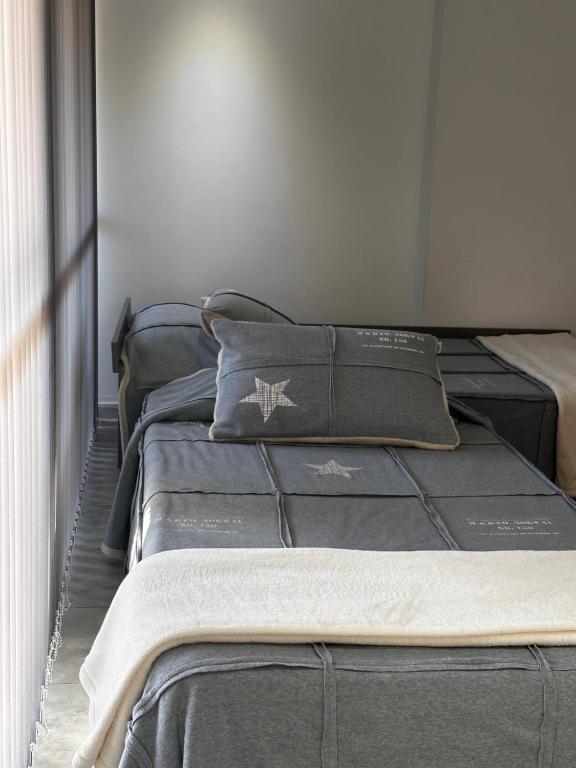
{"type": "Point", "coordinates": [108, 411]}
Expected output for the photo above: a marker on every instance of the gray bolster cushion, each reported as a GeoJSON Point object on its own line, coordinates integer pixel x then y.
{"type": "Point", "coordinates": [165, 342]}
{"type": "Point", "coordinates": [233, 305]}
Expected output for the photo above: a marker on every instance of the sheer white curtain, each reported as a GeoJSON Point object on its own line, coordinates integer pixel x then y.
{"type": "Point", "coordinates": [47, 394]}
{"type": "Point", "coordinates": [25, 388]}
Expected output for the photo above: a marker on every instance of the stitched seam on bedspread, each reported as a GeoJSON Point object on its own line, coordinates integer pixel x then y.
{"type": "Point", "coordinates": [147, 702]}
{"type": "Point", "coordinates": [554, 490]}
{"type": "Point", "coordinates": [136, 750]}
{"type": "Point", "coordinates": [174, 440]}
{"type": "Point", "coordinates": [434, 516]}
{"type": "Point", "coordinates": [331, 344]}
{"type": "Point", "coordinates": [283, 527]}
{"type": "Point", "coordinates": [329, 750]}
{"type": "Point", "coordinates": [549, 708]}
{"type": "Point", "coordinates": [220, 664]}
{"type": "Point", "coordinates": [254, 365]}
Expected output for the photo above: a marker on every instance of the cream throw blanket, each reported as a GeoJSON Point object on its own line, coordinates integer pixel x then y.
{"type": "Point", "coordinates": [550, 358]}
{"type": "Point", "coordinates": [308, 595]}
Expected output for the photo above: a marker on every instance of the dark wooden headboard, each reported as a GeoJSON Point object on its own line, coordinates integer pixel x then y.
{"type": "Point", "coordinates": [122, 327]}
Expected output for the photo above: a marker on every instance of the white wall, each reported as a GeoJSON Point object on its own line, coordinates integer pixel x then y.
{"type": "Point", "coordinates": [502, 238]}
{"type": "Point", "coordinates": [270, 146]}
{"type": "Point", "coordinates": [319, 155]}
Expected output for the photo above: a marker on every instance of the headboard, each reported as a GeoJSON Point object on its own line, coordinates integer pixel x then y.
{"type": "Point", "coordinates": [454, 332]}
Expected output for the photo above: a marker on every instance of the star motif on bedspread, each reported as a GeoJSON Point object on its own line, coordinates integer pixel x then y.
{"type": "Point", "coordinates": [269, 397]}
{"type": "Point", "coordinates": [333, 468]}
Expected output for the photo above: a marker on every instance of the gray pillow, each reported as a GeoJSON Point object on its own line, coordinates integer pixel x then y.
{"type": "Point", "coordinates": [165, 342]}
{"type": "Point", "coordinates": [331, 385]}
{"type": "Point", "coordinates": [237, 306]}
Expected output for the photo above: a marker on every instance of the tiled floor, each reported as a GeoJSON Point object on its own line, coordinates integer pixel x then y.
{"type": "Point", "coordinates": [94, 581]}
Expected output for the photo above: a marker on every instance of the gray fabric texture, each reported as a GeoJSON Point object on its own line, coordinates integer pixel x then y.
{"type": "Point", "coordinates": [355, 707]}
{"type": "Point", "coordinates": [258, 705]}
{"type": "Point", "coordinates": [237, 306]}
{"type": "Point", "coordinates": [522, 409]}
{"type": "Point", "coordinates": [196, 493]}
{"type": "Point", "coordinates": [165, 342]}
{"type": "Point", "coordinates": [337, 384]}
{"type": "Point", "coordinates": [191, 397]}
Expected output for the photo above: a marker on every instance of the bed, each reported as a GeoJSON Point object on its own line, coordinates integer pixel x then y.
{"type": "Point", "coordinates": [165, 341]}
{"type": "Point", "coordinates": [296, 706]}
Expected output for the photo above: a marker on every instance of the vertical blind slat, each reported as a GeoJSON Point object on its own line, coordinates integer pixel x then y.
{"type": "Point", "coordinates": [47, 232]}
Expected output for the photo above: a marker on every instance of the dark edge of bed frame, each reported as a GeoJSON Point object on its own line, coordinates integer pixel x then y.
{"type": "Point", "coordinates": [122, 327]}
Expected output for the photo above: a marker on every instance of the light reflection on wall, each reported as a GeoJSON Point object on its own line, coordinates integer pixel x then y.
{"type": "Point", "coordinates": [230, 127]}
{"type": "Point", "coordinates": [225, 79]}
{"type": "Point", "coordinates": [273, 146]}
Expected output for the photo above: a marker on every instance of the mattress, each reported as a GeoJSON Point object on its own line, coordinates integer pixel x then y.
{"type": "Point", "coordinates": [196, 493]}
{"type": "Point", "coordinates": [349, 706]}
{"type": "Point", "coordinates": [523, 410]}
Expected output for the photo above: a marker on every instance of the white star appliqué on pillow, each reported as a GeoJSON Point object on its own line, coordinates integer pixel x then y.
{"type": "Point", "coordinates": [269, 397]}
